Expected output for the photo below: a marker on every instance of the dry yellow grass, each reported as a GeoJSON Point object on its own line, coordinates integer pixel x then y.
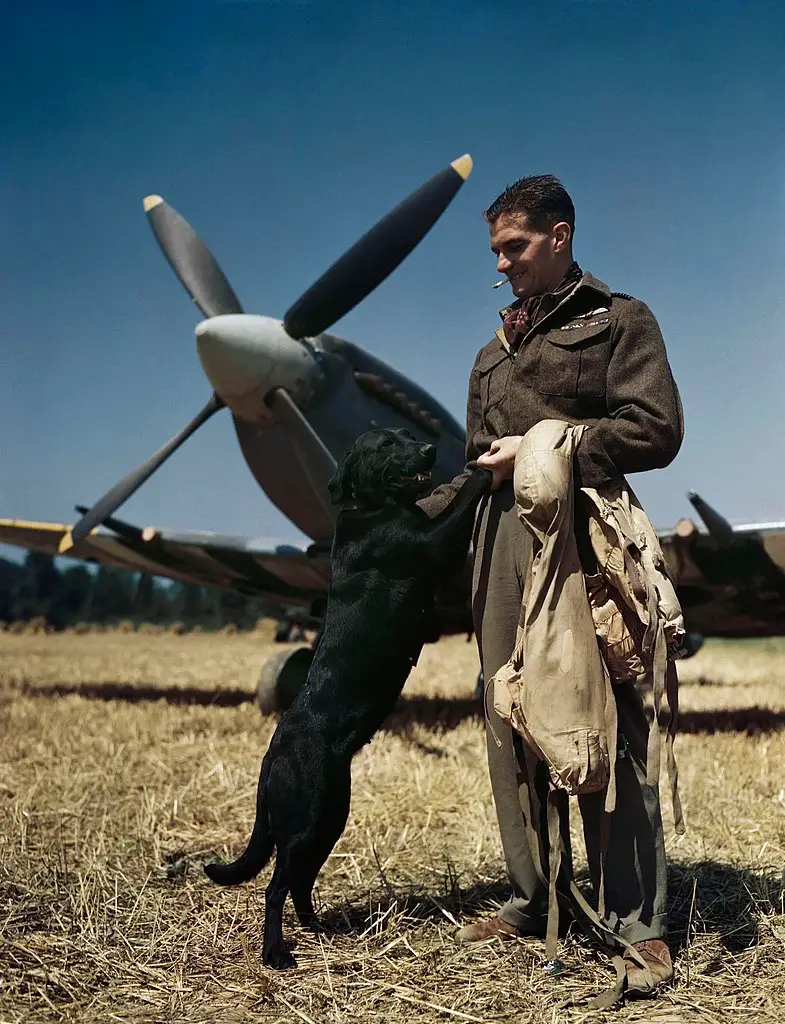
{"type": "Point", "coordinates": [126, 759]}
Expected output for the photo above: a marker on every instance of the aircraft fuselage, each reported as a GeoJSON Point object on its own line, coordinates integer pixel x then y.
{"type": "Point", "coordinates": [341, 389]}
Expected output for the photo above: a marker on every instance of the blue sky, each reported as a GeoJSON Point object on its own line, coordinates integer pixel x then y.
{"type": "Point", "coordinates": [283, 130]}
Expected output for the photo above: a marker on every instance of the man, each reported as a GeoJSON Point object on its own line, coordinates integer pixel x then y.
{"type": "Point", "coordinates": [569, 349]}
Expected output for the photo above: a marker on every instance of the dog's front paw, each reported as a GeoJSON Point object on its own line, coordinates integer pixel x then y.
{"type": "Point", "coordinates": [279, 959]}
{"type": "Point", "coordinates": [484, 477]}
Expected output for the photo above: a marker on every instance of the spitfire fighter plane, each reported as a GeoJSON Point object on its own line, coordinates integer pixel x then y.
{"type": "Point", "coordinates": [299, 396]}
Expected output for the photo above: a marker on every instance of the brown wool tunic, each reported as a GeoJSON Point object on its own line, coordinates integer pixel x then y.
{"type": "Point", "coordinates": [598, 358]}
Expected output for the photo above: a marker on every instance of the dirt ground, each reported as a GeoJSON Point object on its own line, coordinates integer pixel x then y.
{"type": "Point", "coordinates": [125, 760]}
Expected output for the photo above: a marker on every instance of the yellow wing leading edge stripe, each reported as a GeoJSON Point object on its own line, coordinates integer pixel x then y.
{"type": "Point", "coordinates": [25, 524]}
{"type": "Point", "coordinates": [66, 541]}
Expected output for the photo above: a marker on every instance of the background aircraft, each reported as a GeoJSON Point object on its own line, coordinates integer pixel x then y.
{"type": "Point", "coordinates": [299, 397]}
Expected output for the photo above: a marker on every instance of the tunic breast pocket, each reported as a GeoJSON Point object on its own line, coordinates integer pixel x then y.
{"type": "Point", "coordinates": [574, 359]}
{"type": "Point", "coordinates": [493, 370]}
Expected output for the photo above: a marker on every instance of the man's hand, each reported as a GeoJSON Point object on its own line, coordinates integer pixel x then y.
{"type": "Point", "coordinates": [500, 460]}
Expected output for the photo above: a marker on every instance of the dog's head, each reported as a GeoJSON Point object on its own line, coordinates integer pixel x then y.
{"type": "Point", "coordinates": [384, 467]}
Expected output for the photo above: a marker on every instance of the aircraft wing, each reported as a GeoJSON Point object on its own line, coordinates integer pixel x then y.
{"type": "Point", "coordinates": [286, 578]}
{"type": "Point", "coordinates": [731, 579]}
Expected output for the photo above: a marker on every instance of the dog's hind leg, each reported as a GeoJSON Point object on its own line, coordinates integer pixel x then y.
{"type": "Point", "coordinates": [307, 859]}
{"type": "Point", "coordinates": [274, 953]}
{"type": "Point", "coordinates": [292, 807]}
{"type": "Point", "coordinates": [306, 865]}
{"type": "Point", "coordinates": [302, 897]}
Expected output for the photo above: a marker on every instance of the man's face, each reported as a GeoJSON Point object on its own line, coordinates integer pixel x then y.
{"type": "Point", "coordinates": [533, 261]}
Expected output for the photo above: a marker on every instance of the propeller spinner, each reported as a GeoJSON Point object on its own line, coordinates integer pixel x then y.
{"type": "Point", "coordinates": [343, 286]}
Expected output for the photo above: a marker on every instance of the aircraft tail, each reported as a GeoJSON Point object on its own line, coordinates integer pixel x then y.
{"type": "Point", "coordinates": [257, 853]}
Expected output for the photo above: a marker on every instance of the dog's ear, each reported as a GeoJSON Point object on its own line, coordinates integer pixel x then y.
{"type": "Point", "coordinates": [340, 484]}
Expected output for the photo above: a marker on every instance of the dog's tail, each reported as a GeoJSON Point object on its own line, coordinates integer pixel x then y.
{"type": "Point", "coordinates": [257, 853]}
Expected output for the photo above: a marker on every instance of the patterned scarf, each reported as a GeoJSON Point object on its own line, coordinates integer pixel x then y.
{"type": "Point", "coordinates": [519, 320]}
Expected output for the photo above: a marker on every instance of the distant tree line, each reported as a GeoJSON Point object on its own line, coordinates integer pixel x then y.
{"type": "Point", "coordinates": [38, 589]}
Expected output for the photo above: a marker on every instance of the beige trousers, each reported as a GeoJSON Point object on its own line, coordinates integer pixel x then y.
{"type": "Point", "coordinates": [635, 867]}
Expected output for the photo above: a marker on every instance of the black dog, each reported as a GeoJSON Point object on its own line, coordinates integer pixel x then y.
{"type": "Point", "coordinates": [386, 556]}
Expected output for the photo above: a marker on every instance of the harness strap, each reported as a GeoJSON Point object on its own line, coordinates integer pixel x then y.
{"type": "Point", "coordinates": [605, 1000]}
{"type": "Point", "coordinates": [594, 926]}
{"type": "Point", "coordinates": [672, 691]}
{"type": "Point", "coordinates": [555, 851]}
{"type": "Point", "coordinates": [489, 683]}
{"type": "Point", "coordinates": [657, 674]}
{"type": "Point", "coordinates": [612, 736]}
{"type": "Point", "coordinates": [665, 683]}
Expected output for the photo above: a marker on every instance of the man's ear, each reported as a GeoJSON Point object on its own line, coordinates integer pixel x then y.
{"type": "Point", "coordinates": [562, 236]}
{"type": "Point", "coordinates": [340, 484]}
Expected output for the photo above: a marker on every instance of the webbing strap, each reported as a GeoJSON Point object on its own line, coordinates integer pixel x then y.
{"type": "Point", "coordinates": [591, 923]}
{"type": "Point", "coordinates": [555, 851]}
{"type": "Point", "coordinates": [658, 669]}
{"type": "Point", "coordinates": [672, 691]}
{"type": "Point", "coordinates": [488, 722]}
{"type": "Point", "coordinates": [605, 1000]}
{"type": "Point", "coordinates": [630, 564]}
{"type": "Point", "coordinates": [665, 683]}
{"type": "Point", "coordinates": [612, 738]}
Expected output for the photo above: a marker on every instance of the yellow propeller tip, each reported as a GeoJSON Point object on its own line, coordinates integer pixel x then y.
{"type": "Point", "coordinates": [150, 202]}
{"type": "Point", "coordinates": [463, 165]}
{"type": "Point", "coordinates": [66, 543]}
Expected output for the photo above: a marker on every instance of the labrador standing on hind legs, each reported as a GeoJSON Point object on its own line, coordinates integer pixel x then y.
{"type": "Point", "coordinates": [386, 556]}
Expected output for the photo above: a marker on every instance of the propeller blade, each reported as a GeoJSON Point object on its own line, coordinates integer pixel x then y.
{"type": "Point", "coordinates": [316, 460]}
{"type": "Point", "coordinates": [123, 490]}
{"type": "Point", "coordinates": [191, 260]}
{"type": "Point", "coordinates": [376, 255]}
{"type": "Point", "coordinates": [125, 530]}
{"type": "Point", "coordinates": [718, 526]}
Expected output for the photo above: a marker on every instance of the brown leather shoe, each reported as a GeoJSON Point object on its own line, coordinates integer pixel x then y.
{"type": "Point", "coordinates": [658, 959]}
{"type": "Point", "coordinates": [487, 929]}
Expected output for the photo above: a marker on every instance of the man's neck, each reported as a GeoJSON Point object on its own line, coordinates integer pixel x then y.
{"type": "Point", "coordinates": [523, 315]}
{"type": "Point", "coordinates": [558, 277]}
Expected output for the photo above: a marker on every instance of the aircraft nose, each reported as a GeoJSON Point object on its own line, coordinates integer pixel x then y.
{"type": "Point", "coordinates": [246, 356]}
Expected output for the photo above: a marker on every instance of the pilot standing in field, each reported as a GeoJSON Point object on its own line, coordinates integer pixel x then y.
{"type": "Point", "coordinates": [568, 348]}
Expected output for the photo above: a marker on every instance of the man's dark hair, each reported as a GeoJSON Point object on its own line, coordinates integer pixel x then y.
{"type": "Point", "coordinates": [543, 199]}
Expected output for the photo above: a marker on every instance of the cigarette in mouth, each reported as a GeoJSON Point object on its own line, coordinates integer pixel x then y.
{"type": "Point", "coordinates": [500, 283]}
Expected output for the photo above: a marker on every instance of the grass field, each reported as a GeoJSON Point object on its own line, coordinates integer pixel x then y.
{"type": "Point", "coordinates": [125, 760]}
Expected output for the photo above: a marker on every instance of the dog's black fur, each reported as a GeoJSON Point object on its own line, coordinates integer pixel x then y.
{"type": "Point", "coordinates": [386, 556]}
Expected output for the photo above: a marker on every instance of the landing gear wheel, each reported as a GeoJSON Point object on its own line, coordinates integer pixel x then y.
{"type": "Point", "coordinates": [283, 632]}
{"type": "Point", "coordinates": [281, 679]}
{"type": "Point", "coordinates": [289, 633]}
